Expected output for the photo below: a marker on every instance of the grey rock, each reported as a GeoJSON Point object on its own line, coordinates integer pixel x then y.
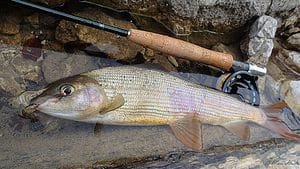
{"type": "Point", "coordinates": [294, 41]}
{"type": "Point", "coordinates": [16, 70]}
{"type": "Point", "coordinates": [293, 60]}
{"type": "Point", "coordinates": [58, 65]}
{"type": "Point", "coordinates": [290, 92]}
{"type": "Point", "coordinates": [112, 45]}
{"type": "Point", "coordinates": [264, 27]}
{"type": "Point", "coordinates": [259, 44]}
{"type": "Point", "coordinates": [283, 5]}
{"type": "Point", "coordinates": [185, 8]}
{"type": "Point", "coordinates": [272, 88]}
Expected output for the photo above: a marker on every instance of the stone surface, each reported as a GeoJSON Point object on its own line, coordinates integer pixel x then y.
{"type": "Point", "coordinates": [279, 155]}
{"type": "Point", "coordinates": [293, 60]}
{"type": "Point", "coordinates": [294, 41]}
{"type": "Point", "coordinates": [258, 45]}
{"type": "Point", "coordinates": [33, 20]}
{"type": "Point", "coordinates": [185, 8]}
{"type": "Point", "coordinates": [16, 71]}
{"type": "Point", "coordinates": [287, 61]}
{"type": "Point", "coordinates": [9, 24]}
{"type": "Point", "coordinates": [271, 88]}
{"type": "Point", "coordinates": [290, 92]}
{"type": "Point", "coordinates": [114, 46]}
{"type": "Point", "coordinates": [283, 5]}
{"type": "Point", "coordinates": [224, 16]}
{"type": "Point", "coordinates": [58, 65]}
{"type": "Point", "coordinates": [233, 50]}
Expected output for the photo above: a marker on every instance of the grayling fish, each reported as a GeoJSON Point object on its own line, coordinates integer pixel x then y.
{"type": "Point", "coordinates": [135, 96]}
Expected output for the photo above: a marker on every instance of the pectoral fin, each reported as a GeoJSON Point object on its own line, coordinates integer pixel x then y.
{"type": "Point", "coordinates": [116, 102]}
{"type": "Point", "coordinates": [189, 131]}
{"type": "Point", "coordinates": [240, 129]}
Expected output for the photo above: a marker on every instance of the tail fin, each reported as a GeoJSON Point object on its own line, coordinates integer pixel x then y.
{"type": "Point", "coordinates": [275, 124]}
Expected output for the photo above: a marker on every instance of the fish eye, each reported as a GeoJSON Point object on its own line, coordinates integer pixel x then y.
{"type": "Point", "coordinates": [66, 89]}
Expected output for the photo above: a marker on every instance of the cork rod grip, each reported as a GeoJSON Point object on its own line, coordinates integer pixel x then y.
{"type": "Point", "coordinates": [180, 48]}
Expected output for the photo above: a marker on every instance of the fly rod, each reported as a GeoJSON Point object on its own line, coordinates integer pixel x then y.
{"type": "Point", "coordinates": [162, 43]}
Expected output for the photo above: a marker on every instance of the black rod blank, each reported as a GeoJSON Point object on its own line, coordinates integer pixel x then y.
{"type": "Point", "coordinates": [73, 18]}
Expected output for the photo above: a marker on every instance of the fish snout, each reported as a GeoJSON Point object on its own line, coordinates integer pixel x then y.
{"type": "Point", "coordinates": [29, 112]}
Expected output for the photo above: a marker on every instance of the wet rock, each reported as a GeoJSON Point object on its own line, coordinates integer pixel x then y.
{"type": "Point", "coordinates": [114, 46]}
{"type": "Point", "coordinates": [58, 65]}
{"type": "Point", "coordinates": [259, 44]}
{"type": "Point", "coordinates": [294, 41]}
{"type": "Point", "coordinates": [16, 70]}
{"type": "Point", "coordinates": [290, 92]}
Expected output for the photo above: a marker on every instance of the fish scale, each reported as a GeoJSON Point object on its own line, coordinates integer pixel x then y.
{"type": "Point", "coordinates": [161, 95]}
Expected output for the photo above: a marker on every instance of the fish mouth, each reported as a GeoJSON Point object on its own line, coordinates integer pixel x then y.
{"type": "Point", "coordinates": [30, 112]}
{"type": "Point", "coordinates": [36, 106]}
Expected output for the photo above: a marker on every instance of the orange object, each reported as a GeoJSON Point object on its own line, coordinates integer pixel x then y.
{"type": "Point", "coordinates": [180, 48]}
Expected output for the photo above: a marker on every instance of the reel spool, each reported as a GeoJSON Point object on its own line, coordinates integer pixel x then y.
{"type": "Point", "coordinates": [242, 84]}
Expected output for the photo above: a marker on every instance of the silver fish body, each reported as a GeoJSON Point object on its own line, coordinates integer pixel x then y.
{"type": "Point", "coordinates": [153, 97]}
{"type": "Point", "coordinates": [136, 96]}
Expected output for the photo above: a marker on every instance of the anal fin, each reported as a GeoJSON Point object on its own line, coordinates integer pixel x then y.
{"type": "Point", "coordinates": [240, 129]}
{"type": "Point", "coordinates": [189, 131]}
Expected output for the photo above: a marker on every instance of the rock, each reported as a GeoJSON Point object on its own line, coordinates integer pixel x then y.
{"type": "Point", "coordinates": [290, 92]}
{"type": "Point", "coordinates": [185, 8]}
{"type": "Point", "coordinates": [11, 39]}
{"type": "Point", "coordinates": [233, 50]}
{"type": "Point", "coordinates": [33, 20]}
{"type": "Point", "coordinates": [288, 22]}
{"type": "Point", "coordinates": [272, 88]}
{"type": "Point", "coordinates": [9, 24]}
{"type": "Point", "coordinates": [58, 65]}
{"type": "Point", "coordinates": [288, 61]}
{"type": "Point", "coordinates": [52, 2]}
{"type": "Point", "coordinates": [223, 16]}
{"type": "Point", "coordinates": [259, 44]}
{"type": "Point", "coordinates": [294, 41]}
{"type": "Point", "coordinates": [292, 59]}
{"type": "Point", "coordinates": [293, 30]}
{"type": "Point", "coordinates": [16, 70]}
{"type": "Point", "coordinates": [114, 46]}
{"type": "Point", "coordinates": [256, 156]}
{"type": "Point", "coordinates": [283, 5]}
